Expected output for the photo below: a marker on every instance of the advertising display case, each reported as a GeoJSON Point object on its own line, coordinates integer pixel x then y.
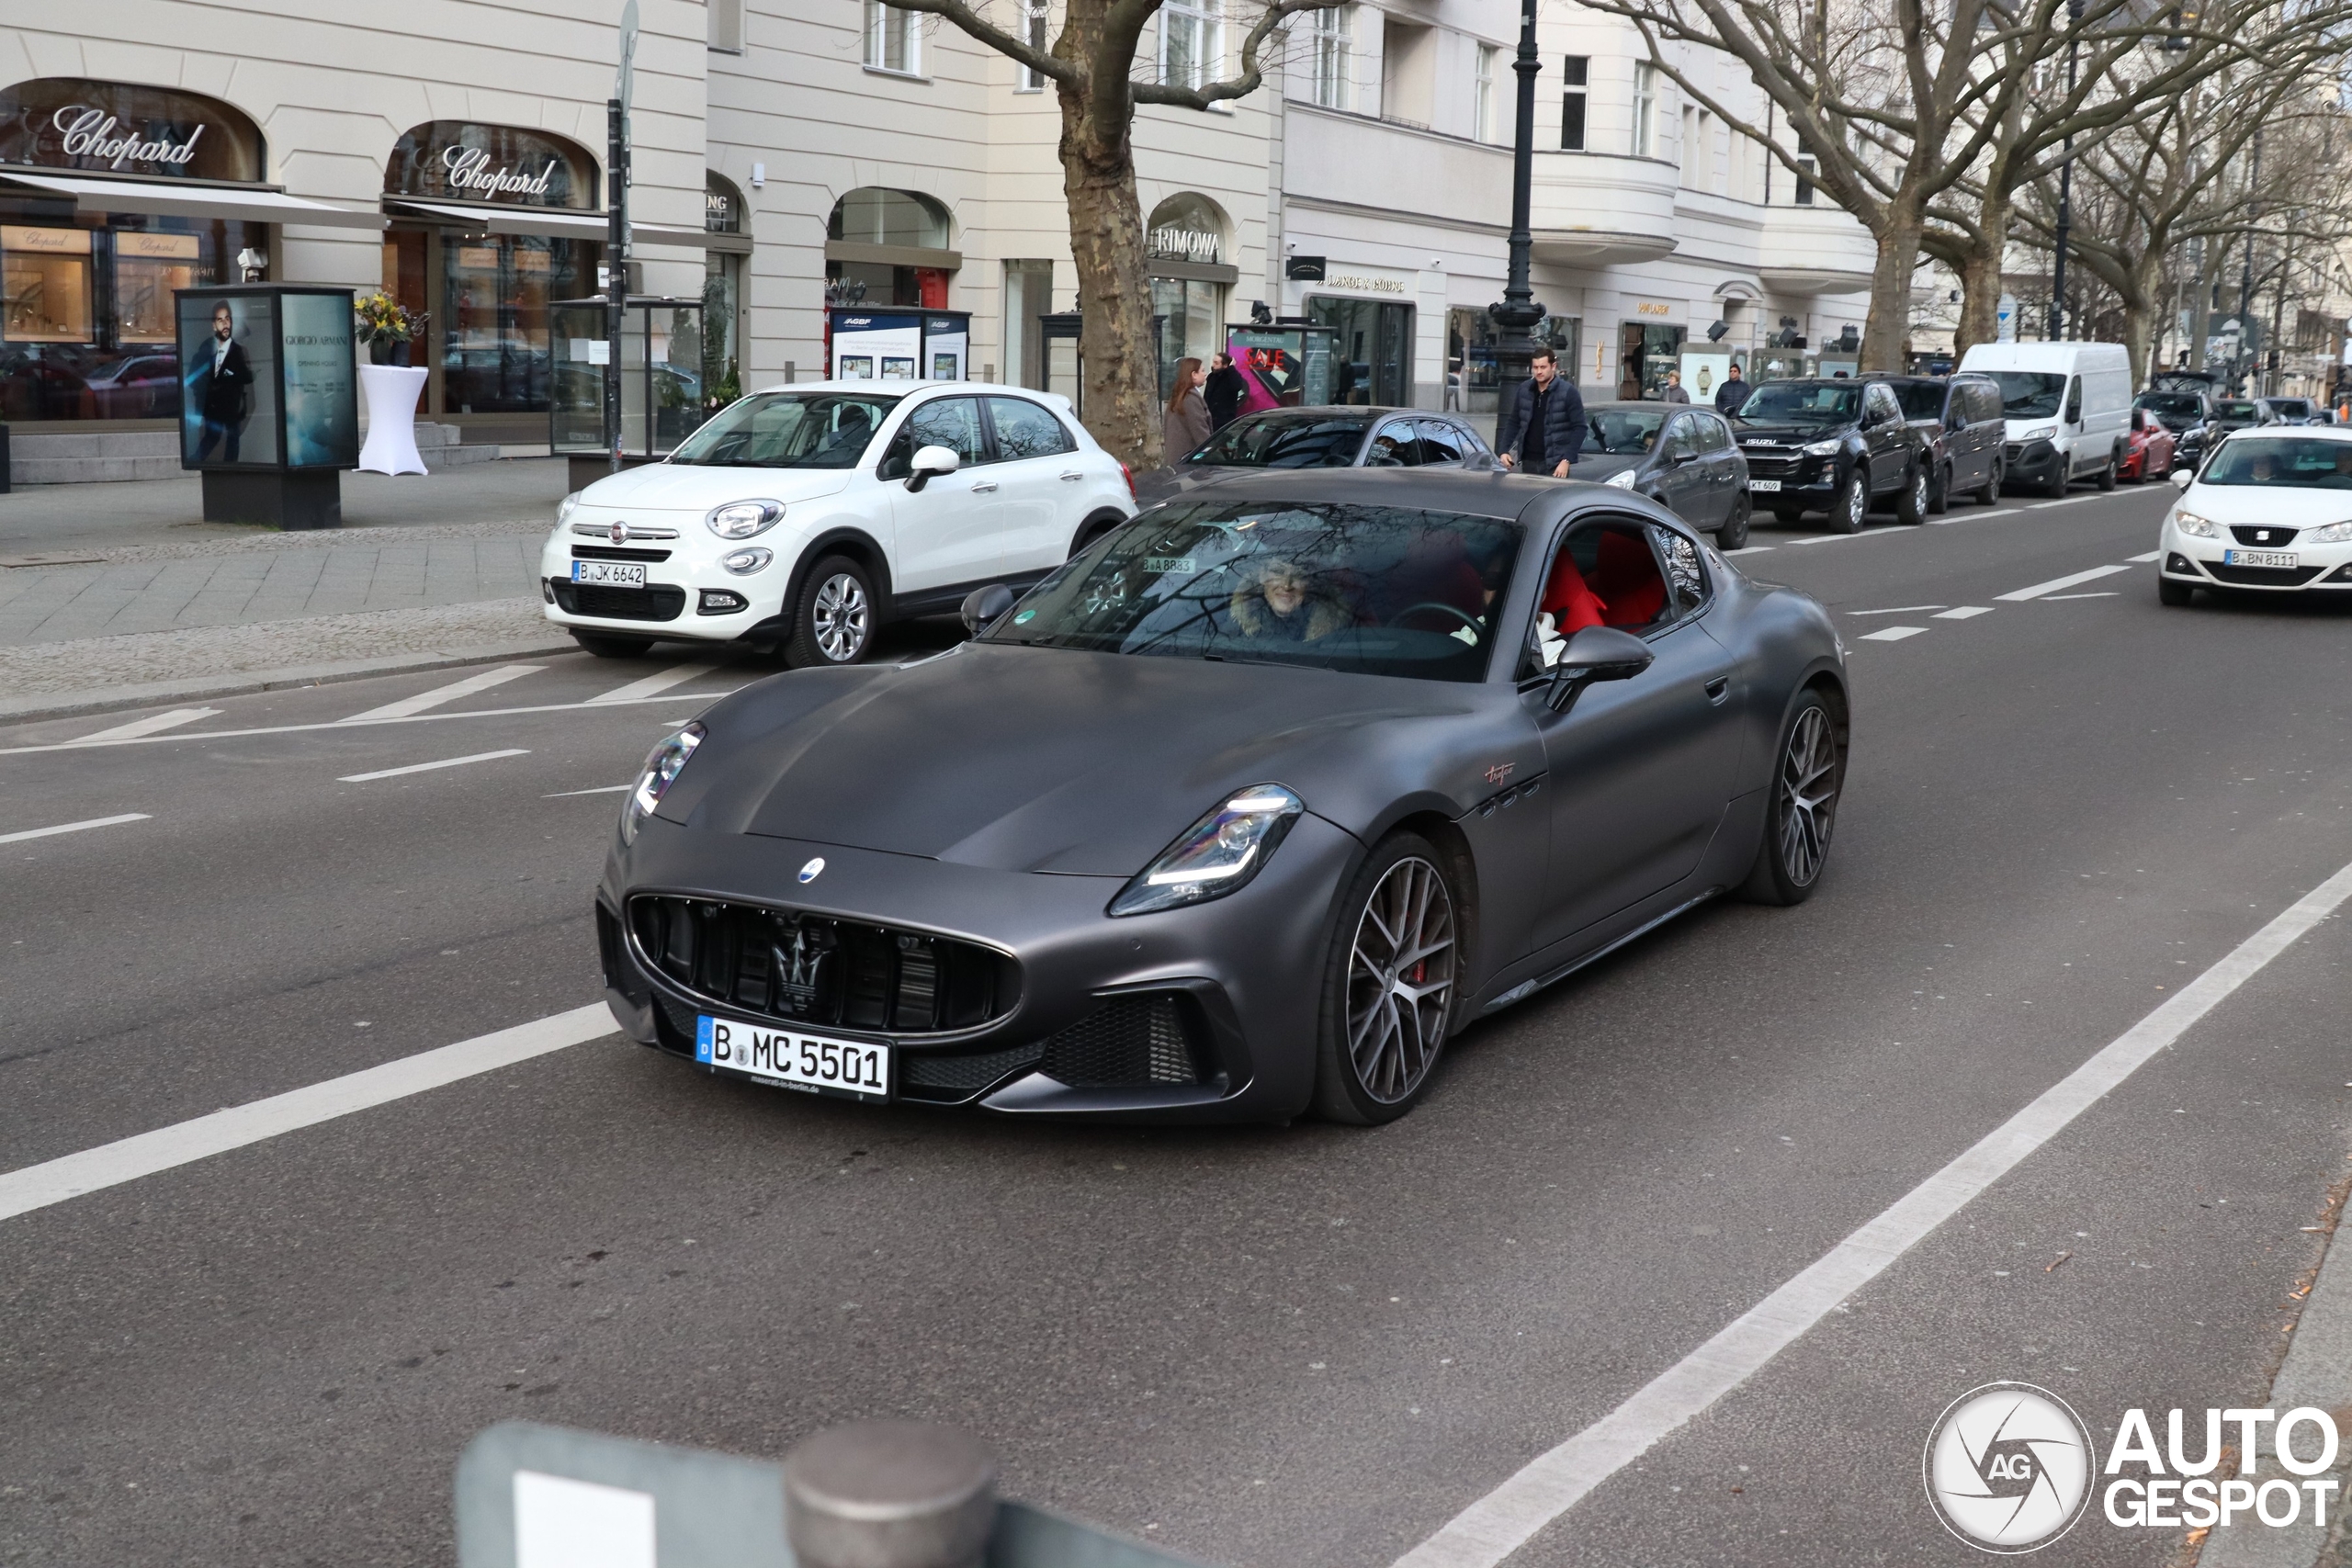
{"type": "Point", "coordinates": [899, 345]}
{"type": "Point", "coordinates": [270, 400]}
{"type": "Point", "coordinates": [1286, 366]}
{"type": "Point", "coordinates": [661, 390]}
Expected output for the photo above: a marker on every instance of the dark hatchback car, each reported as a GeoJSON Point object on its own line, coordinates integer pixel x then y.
{"type": "Point", "coordinates": [1682, 457]}
{"type": "Point", "coordinates": [1319, 438]}
{"type": "Point", "coordinates": [1835, 446]}
{"type": "Point", "coordinates": [1960, 419]}
{"type": "Point", "coordinates": [2191, 418]}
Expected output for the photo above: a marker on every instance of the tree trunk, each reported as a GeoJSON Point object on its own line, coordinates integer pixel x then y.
{"type": "Point", "coordinates": [1980, 277]}
{"type": "Point", "coordinates": [1898, 258]}
{"type": "Point", "coordinates": [1120, 379]}
{"type": "Point", "coordinates": [2141, 302]}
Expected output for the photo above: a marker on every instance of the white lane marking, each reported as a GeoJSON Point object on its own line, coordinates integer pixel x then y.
{"type": "Point", "coordinates": [1829, 538]}
{"type": "Point", "coordinates": [600, 789]}
{"type": "Point", "coordinates": [1898, 610]}
{"type": "Point", "coordinates": [2053, 598]}
{"type": "Point", "coordinates": [2152, 554]}
{"type": "Point", "coordinates": [1748, 550]}
{"type": "Point", "coordinates": [2055, 583]}
{"type": "Point", "coordinates": [676, 675]}
{"type": "Point", "coordinates": [18, 838]}
{"type": "Point", "coordinates": [152, 725]}
{"type": "Point", "coordinates": [2064, 501]}
{"type": "Point", "coordinates": [127, 1159]}
{"type": "Point", "coordinates": [1506, 1518]}
{"type": "Point", "coordinates": [1963, 613]}
{"type": "Point", "coordinates": [449, 694]}
{"type": "Point", "coordinates": [428, 767]}
{"type": "Point", "coordinates": [1891, 633]}
{"type": "Point", "coordinates": [339, 724]}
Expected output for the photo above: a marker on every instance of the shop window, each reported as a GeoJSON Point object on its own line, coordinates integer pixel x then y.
{"type": "Point", "coordinates": [117, 128]}
{"type": "Point", "coordinates": [47, 288]}
{"type": "Point", "coordinates": [722, 206]}
{"type": "Point", "coordinates": [1028, 294]}
{"type": "Point", "coordinates": [1576, 73]}
{"type": "Point", "coordinates": [1190, 322]}
{"type": "Point", "coordinates": [1335, 65]}
{"type": "Point", "coordinates": [1187, 228]}
{"type": "Point", "coordinates": [893, 40]}
{"type": "Point", "coordinates": [147, 269]}
{"type": "Point", "coordinates": [456, 159]}
{"type": "Point", "coordinates": [495, 344]}
{"type": "Point", "coordinates": [1372, 360]}
{"type": "Point", "coordinates": [871, 215]}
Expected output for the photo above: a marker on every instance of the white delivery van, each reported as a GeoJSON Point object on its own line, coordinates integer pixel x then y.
{"type": "Point", "coordinates": [2069, 406]}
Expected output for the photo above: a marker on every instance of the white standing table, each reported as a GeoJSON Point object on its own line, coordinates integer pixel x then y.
{"type": "Point", "coordinates": [391, 391]}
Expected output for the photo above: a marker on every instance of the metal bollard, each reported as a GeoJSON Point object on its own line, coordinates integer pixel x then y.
{"type": "Point", "coordinates": [889, 1494]}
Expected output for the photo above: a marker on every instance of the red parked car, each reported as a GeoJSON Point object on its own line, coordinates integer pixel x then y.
{"type": "Point", "coordinates": [2148, 449]}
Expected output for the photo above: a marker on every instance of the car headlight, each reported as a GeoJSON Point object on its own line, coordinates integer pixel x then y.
{"type": "Point", "coordinates": [1623, 481]}
{"type": "Point", "coordinates": [2333, 534]}
{"type": "Point", "coordinates": [660, 770]}
{"type": "Point", "coordinates": [566, 507]}
{"type": "Point", "coordinates": [743, 563]}
{"type": "Point", "coordinates": [1823, 449]}
{"type": "Point", "coordinates": [2041, 433]}
{"type": "Point", "coordinates": [1216, 855]}
{"type": "Point", "coordinates": [2202, 527]}
{"type": "Point", "coordinates": [741, 519]}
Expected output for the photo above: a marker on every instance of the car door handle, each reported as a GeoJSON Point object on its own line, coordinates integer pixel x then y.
{"type": "Point", "coordinates": [1073, 477]}
{"type": "Point", "coordinates": [984, 484]}
{"type": "Point", "coordinates": [1718, 689]}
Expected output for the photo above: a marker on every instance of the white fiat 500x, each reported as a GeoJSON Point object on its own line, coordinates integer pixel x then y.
{"type": "Point", "coordinates": [807, 516]}
{"type": "Point", "coordinates": [2270, 511]}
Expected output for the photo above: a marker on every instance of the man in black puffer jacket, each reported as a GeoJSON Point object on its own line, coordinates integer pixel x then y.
{"type": "Point", "coordinates": [1545, 431]}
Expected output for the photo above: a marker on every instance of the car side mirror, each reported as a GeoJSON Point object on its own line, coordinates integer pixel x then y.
{"type": "Point", "coordinates": [983, 607]}
{"type": "Point", "coordinates": [1595, 653]}
{"type": "Point", "coordinates": [2183, 478]}
{"type": "Point", "coordinates": [929, 463]}
{"type": "Point", "coordinates": [1677, 458]}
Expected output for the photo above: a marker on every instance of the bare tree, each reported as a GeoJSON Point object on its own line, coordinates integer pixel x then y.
{"type": "Point", "coordinates": [1092, 64]}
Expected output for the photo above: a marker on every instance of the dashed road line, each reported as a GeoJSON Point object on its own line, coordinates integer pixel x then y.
{"type": "Point", "coordinates": [1963, 612]}
{"type": "Point", "coordinates": [2152, 554]}
{"type": "Point", "coordinates": [1747, 550]}
{"type": "Point", "coordinates": [2103, 593]}
{"type": "Point", "coordinates": [408, 706]}
{"type": "Point", "coordinates": [1893, 634]}
{"type": "Point", "coordinates": [600, 789]}
{"type": "Point", "coordinates": [2055, 583]}
{"type": "Point", "coordinates": [428, 767]}
{"type": "Point", "coordinates": [20, 836]}
{"type": "Point", "coordinates": [1499, 1524]}
{"type": "Point", "coordinates": [1899, 610]}
{"type": "Point", "coordinates": [662, 681]}
{"type": "Point", "coordinates": [154, 724]}
{"type": "Point", "coordinates": [127, 1159]}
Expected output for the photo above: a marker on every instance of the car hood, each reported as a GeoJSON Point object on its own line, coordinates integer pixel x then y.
{"type": "Point", "coordinates": [676, 487]}
{"type": "Point", "coordinates": [1602, 467]}
{"type": "Point", "coordinates": [1795, 435]}
{"type": "Point", "coordinates": [2278, 506]}
{"type": "Point", "coordinates": [1042, 760]}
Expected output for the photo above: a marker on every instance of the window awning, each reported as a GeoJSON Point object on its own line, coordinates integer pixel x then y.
{"type": "Point", "coordinates": [190, 199]}
{"type": "Point", "coordinates": [554, 222]}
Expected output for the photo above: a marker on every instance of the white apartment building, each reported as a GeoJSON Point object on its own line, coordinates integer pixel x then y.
{"type": "Point", "coordinates": [793, 156]}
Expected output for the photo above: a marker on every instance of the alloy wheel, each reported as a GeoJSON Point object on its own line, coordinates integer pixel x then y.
{"type": "Point", "coordinates": [1858, 504]}
{"type": "Point", "coordinates": [1808, 796]}
{"type": "Point", "coordinates": [1400, 980]}
{"type": "Point", "coordinates": [841, 617]}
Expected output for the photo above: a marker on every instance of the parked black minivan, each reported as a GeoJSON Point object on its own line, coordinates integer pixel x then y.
{"type": "Point", "coordinates": [1836, 445]}
{"type": "Point", "coordinates": [1962, 421]}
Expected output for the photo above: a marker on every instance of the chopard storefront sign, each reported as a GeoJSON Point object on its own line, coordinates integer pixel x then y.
{"type": "Point", "coordinates": [468, 171]}
{"type": "Point", "coordinates": [473, 161]}
{"type": "Point", "coordinates": [123, 128]}
{"type": "Point", "coordinates": [86, 132]}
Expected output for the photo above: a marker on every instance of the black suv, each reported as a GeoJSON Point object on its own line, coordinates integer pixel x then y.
{"type": "Point", "coordinates": [1832, 446]}
{"type": "Point", "coordinates": [2188, 413]}
{"type": "Point", "coordinates": [1961, 421]}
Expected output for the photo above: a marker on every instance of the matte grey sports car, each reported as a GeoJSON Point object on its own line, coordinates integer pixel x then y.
{"type": "Point", "coordinates": [1240, 814]}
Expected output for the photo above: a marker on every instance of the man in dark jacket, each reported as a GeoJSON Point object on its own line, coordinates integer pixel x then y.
{"type": "Point", "coordinates": [1223, 392]}
{"type": "Point", "coordinates": [1544, 430]}
{"type": "Point", "coordinates": [1732, 393]}
{"type": "Point", "coordinates": [219, 382]}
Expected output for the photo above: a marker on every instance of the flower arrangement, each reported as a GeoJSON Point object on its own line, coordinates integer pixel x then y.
{"type": "Point", "coordinates": [385, 326]}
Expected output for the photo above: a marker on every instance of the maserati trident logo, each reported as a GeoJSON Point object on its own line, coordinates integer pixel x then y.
{"type": "Point", "coordinates": [2008, 1468]}
{"type": "Point", "coordinates": [811, 872]}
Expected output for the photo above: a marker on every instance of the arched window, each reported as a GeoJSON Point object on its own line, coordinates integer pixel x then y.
{"type": "Point", "coordinates": [888, 247]}
{"type": "Point", "coordinates": [722, 205]}
{"type": "Point", "coordinates": [1187, 227]}
{"type": "Point", "coordinates": [459, 160]}
{"type": "Point", "coordinates": [871, 215]}
{"type": "Point", "coordinates": [117, 127]}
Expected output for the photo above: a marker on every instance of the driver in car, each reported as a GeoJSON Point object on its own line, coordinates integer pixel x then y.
{"type": "Point", "coordinates": [1282, 605]}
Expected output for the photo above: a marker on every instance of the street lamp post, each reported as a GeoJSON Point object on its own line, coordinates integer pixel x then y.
{"type": "Point", "coordinates": [1516, 316]}
{"type": "Point", "coordinates": [616, 181]}
{"type": "Point", "coordinates": [2065, 178]}
{"type": "Point", "coordinates": [2246, 279]}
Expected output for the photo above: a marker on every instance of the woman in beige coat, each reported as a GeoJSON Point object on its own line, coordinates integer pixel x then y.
{"type": "Point", "coordinates": [1187, 424]}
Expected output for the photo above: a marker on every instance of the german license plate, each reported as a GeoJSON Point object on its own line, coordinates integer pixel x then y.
{"type": "Point", "coordinates": [610, 573]}
{"type": "Point", "coordinates": [2285, 558]}
{"type": "Point", "coordinates": [1766, 485]}
{"type": "Point", "coordinates": [786, 1057]}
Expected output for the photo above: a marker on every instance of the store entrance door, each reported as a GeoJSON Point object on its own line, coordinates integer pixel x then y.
{"type": "Point", "coordinates": [1371, 363]}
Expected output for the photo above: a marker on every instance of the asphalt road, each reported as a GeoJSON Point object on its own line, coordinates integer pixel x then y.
{"type": "Point", "coordinates": [1304, 1346]}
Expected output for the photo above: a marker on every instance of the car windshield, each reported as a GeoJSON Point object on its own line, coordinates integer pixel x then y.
{"type": "Point", "coordinates": [1803, 403]}
{"type": "Point", "coordinates": [788, 430]}
{"type": "Point", "coordinates": [2299, 463]}
{"type": "Point", "coordinates": [1920, 400]}
{"type": "Point", "coordinates": [2293, 408]}
{"type": "Point", "coordinates": [2028, 394]}
{"type": "Point", "coordinates": [1625, 433]}
{"type": "Point", "coordinates": [1285, 441]}
{"type": "Point", "coordinates": [2175, 410]}
{"type": "Point", "coordinates": [2241, 409]}
{"type": "Point", "coordinates": [1366, 590]}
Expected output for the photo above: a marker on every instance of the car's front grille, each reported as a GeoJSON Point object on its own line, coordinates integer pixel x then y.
{"type": "Point", "coordinates": [663, 602]}
{"type": "Point", "coordinates": [1129, 1042]}
{"type": "Point", "coordinates": [2246, 536]}
{"type": "Point", "coordinates": [922, 1076]}
{"type": "Point", "coordinates": [610, 552]}
{"type": "Point", "coordinates": [814, 970]}
{"type": "Point", "coordinates": [2262, 576]}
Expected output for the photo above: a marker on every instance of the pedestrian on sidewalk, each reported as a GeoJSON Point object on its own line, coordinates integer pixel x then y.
{"type": "Point", "coordinates": [1186, 424]}
{"type": "Point", "coordinates": [1223, 392]}
{"type": "Point", "coordinates": [1545, 429]}
{"type": "Point", "coordinates": [1673, 392]}
{"type": "Point", "coordinates": [1732, 393]}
